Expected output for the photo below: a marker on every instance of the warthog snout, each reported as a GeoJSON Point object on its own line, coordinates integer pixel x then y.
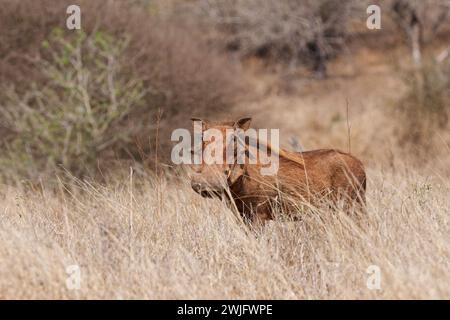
{"type": "Point", "coordinates": [196, 186]}
{"type": "Point", "coordinates": [209, 180]}
{"type": "Point", "coordinates": [206, 190]}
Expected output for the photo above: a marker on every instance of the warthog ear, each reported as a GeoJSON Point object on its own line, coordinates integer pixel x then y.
{"type": "Point", "coordinates": [199, 120]}
{"type": "Point", "coordinates": [243, 123]}
{"type": "Point", "coordinates": [235, 174]}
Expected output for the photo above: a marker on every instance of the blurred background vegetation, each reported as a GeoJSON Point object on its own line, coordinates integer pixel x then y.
{"type": "Point", "coordinates": [111, 93]}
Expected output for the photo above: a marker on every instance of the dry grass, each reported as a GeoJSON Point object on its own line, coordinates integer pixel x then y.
{"type": "Point", "coordinates": [155, 238]}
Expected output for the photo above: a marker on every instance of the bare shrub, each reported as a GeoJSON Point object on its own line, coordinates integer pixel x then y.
{"type": "Point", "coordinates": [425, 106]}
{"type": "Point", "coordinates": [179, 72]}
{"type": "Point", "coordinates": [77, 114]}
{"type": "Point", "coordinates": [420, 21]}
{"type": "Point", "coordinates": [290, 31]}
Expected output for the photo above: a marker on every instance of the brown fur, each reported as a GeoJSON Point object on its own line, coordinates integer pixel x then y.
{"type": "Point", "coordinates": [302, 178]}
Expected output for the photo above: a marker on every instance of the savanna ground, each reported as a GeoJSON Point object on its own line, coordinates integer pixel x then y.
{"type": "Point", "coordinates": [156, 239]}
{"type": "Point", "coordinates": [139, 232]}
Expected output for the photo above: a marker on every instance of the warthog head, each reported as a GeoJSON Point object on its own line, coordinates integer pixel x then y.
{"type": "Point", "coordinates": [214, 174]}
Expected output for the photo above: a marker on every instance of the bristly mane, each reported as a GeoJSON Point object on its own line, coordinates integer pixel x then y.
{"type": "Point", "coordinates": [294, 157]}
{"type": "Point", "coordinates": [291, 156]}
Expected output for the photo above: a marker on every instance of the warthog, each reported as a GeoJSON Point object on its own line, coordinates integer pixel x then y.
{"type": "Point", "coordinates": [302, 178]}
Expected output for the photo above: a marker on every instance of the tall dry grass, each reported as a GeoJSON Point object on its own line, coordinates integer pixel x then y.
{"type": "Point", "coordinates": [149, 237]}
